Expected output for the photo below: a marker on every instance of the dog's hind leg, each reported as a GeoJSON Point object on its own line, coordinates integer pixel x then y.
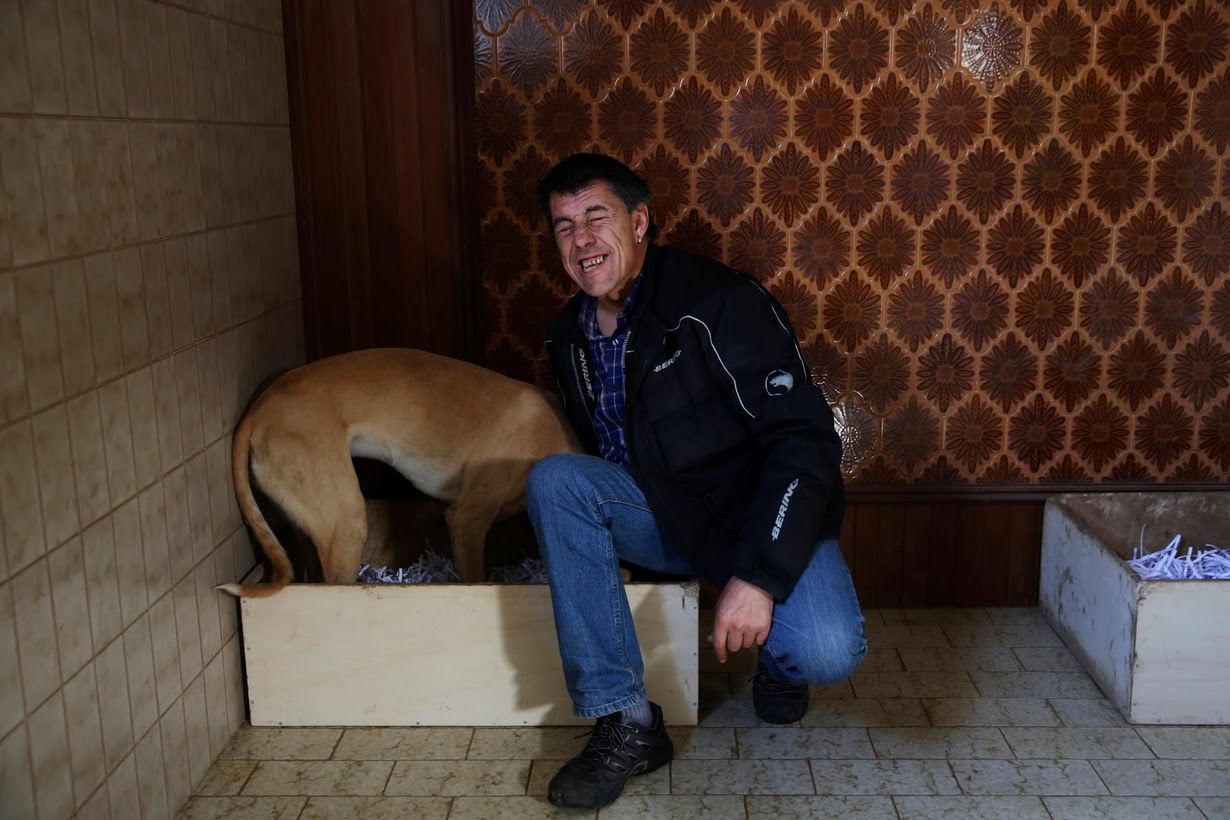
{"type": "Point", "coordinates": [469, 519]}
{"type": "Point", "coordinates": [327, 504]}
{"type": "Point", "coordinates": [340, 560]}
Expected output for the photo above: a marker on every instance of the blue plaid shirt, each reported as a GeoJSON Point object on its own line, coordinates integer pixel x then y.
{"type": "Point", "coordinates": [607, 353]}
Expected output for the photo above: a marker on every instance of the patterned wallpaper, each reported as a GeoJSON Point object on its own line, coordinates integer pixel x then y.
{"type": "Point", "coordinates": [1001, 230]}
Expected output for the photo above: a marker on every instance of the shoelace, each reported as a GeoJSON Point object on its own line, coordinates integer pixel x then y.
{"type": "Point", "coordinates": [606, 741]}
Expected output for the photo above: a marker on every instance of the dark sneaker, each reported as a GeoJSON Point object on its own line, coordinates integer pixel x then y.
{"type": "Point", "coordinates": [615, 752]}
{"type": "Point", "coordinates": [777, 702]}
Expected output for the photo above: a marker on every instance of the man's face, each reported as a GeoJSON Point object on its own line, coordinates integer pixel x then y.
{"type": "Point", "coordinates": [597, 239]}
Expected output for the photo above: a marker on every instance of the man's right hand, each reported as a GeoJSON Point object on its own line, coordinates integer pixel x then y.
{"type": "Point", "coordinates": [744, 615]}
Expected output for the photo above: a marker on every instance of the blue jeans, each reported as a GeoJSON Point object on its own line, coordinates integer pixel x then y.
{"type": "Point", "coordinates": [588, 513]}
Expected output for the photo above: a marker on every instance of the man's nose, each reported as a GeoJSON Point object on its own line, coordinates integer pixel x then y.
{"type": "Point", "coordinates": [582, 236]}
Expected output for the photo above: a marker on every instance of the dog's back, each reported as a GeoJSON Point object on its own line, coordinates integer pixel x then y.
{"type": "Point", "coordinates": [458, 432]}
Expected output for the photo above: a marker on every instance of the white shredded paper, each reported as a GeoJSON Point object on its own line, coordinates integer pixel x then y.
{"type": "Point", "coordinates": [437, 569]}
{"type": "Point", "coordinates": [1167, 564]}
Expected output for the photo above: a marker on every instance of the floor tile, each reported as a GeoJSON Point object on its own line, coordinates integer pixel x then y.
{"type": "Point", "coordinates": [965, 659]}
{"type": "Point", "coordinates": [889, 777]}
{"type": "Point", "coordinates": [1035, 685]}
{"type": "Point", "coordinates": [527, 743]}
{"type": "Point", "coordinates": [1047, 659]}
{"type": "Point", "coordinates": [242, 808]}
{"type": "Point", "coordinates": [787, 743]}
{"type": "Point", "coordinates": [1214, 808]}
{"type": "Point", "coordinates": [990, 712]}
{"type": "Point", "coordinates": [858, 807]}
{"type": "Point", "coordinates": [1122, 808]}
{"type": "Point", "coordinates": [1016, 616]}
{"type": "Point", "coordinates": [1012, 636]}
{"type": "Point", "coordinates": [1166, 778]}
{"type": "Point", "coordinates": [972, 714]}
{"type": "Point", "coordinates": [1092, 743]}
{"type": "Point", "coordinates": [873, 617]}
{"type": "Point", "coordinates": [262, 743]}
{"type": "Point", "coordinates": [733, 713]}
{"type": "Point", "coordinates": [1188, 742]}
{"type": "Point", "coordinates": [225, 777]}
{"type": "Point", "coordinates": [656, 782]}
{"type": "Point", "coordinates": [453, 778]}
{"type": "Point", "coordinates": [675, 807]}
{"type": "Point", "coordinates": [841, 689]}
{"type": "Point", "coordinates": [939, 744]}
{"type": "Point", "coordinates": [408, 743]}
{"type": "Point", "coordinates": [899, 635]}
{"type": "Point", "coordinates": [375, 808]}
{"type": "Point", "coordinates": [741, 777]}
{"type": "Point", "coordinates": [703, 743]}
{"type": "Point", "coordinates": [853, 712]}
{"type": "Point", "coordinates": [913, 685]}
{"type": "Point", "coordinates": [1027, 777]}
{"type": "Point", "coordinates": [1086, 712]}
{"type": "Point", "coordinates": [309, 777]}
{"type": "Point", "coordinates": [971, 808]}
{"type": "Point", "coordinates": [485, 807]}
{"type": "Point", "coordinates": [882, 659]}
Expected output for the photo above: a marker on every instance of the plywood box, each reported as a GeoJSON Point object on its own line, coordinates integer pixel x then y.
{"type": "Point", "coordinates": [443, 655]}
{"type": "Point", "coordinates": [1160, 650]}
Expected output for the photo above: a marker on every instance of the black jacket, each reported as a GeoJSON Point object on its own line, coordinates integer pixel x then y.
{"type": "Point", "coordinates": [729, 438]}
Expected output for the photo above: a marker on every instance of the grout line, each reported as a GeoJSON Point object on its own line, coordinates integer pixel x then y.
{"type": "Point", "coordinates": [242, 326]}
{"type": "Point", "coordinates": [64, 677]}
{"type": "Point", "coordinates": [1143, 739]}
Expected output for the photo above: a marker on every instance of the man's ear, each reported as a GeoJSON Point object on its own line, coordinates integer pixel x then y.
{"type": "Point", "coordinates": [640, 219]}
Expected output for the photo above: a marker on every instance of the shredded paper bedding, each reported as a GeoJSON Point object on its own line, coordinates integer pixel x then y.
{"type": "Point", "coordinates": [1177, 563]}
{"type": "Point", "coordinates": [432, 568]}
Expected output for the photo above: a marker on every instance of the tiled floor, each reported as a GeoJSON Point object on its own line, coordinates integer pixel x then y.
{"type": "Point", "coordinates": [955, 714]}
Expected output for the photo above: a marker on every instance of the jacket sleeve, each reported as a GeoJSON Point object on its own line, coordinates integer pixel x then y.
{"type": "Point", "coordinates": [753, 348]}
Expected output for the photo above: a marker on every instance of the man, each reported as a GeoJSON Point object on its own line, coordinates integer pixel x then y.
{"type": "Point", "coordinates": [714, 455]}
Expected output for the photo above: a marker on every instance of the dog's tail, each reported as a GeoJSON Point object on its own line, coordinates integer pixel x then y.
{"type": "Point", "coordinates": [241, 448]}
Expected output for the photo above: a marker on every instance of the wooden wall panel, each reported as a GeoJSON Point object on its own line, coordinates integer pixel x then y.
{"type": "Point", "coordinates": [381, 101]}
{"type": "Point", "coordinates": [944, 553]}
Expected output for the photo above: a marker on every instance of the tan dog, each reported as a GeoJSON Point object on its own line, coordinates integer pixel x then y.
{"type": "Point", "coordinates": [458, 432]}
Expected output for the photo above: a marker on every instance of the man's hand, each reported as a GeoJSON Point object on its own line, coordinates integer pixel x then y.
{"type": "Point", "coordinates": [744, 615]}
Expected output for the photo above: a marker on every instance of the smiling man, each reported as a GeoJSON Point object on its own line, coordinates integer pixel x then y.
{"type": "Point", "coordinates": [711, 453]}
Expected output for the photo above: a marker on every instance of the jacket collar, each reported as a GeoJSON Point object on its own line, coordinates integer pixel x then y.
{"type": "Point", "coordinates": [567, 323]}
{"type": "Point", "coordinates": [645, 323]}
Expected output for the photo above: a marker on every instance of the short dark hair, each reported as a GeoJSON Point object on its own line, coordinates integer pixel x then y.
{"type": "Point", "coordinates": [580, 170]}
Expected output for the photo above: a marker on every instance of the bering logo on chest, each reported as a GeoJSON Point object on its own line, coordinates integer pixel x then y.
{"type": "Point", "coordinates": [674, 356]}
{"type": "Point", "coordinates": [589, 387]}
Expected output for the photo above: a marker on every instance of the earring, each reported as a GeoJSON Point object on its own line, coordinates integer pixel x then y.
{"type": "Point", "coordinates": [638, 239]}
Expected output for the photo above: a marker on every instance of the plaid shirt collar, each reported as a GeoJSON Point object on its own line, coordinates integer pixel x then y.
{"type": "Point", "coordinates": [588, 317]}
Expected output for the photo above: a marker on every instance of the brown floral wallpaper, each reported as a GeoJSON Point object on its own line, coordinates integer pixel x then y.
{"type": "Point", "coordinates": [1002, 230]}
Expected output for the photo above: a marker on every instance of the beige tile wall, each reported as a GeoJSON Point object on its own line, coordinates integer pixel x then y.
{"type": "Point", "coordinates": [148, 281]}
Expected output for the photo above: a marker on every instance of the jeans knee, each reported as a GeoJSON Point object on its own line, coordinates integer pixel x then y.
{"type": "Point", "coordinates": [833, 658]}
{"type": "Point", "coordinates": [549, 479]}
